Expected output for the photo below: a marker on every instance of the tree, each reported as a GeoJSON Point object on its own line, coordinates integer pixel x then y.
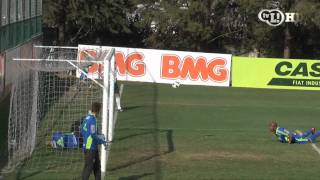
{"type": "Point", "coordinates": [54, 16]}
{"type": "Point", "coordinates": [306, 34]}
{"type": "Point", "coordinates": [87, 20]}
{"type": "Point", "coordinates": [289, 40]}
{"type": "Point", "coordinates": [185, 25]}
{"type": "Point", "coordinates": [197, 25]}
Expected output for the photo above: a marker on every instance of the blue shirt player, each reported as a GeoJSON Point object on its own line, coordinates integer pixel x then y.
{"type": "Point", "coordinates": [91, 140]}
{"type": "Point", "coordinates": [289, 137]}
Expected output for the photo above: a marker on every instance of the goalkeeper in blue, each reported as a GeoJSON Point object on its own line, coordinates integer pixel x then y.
{"type": "Point", "coordinates": [91, 140]}
{"type": "Point", "coordinates": [290, 137]}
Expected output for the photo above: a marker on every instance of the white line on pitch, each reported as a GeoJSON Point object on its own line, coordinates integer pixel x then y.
{"type": "Point", "coordinates": [313, 145]}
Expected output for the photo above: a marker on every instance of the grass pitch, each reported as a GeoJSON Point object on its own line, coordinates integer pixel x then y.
{"type": "Point", "coordinates": [195, 132]}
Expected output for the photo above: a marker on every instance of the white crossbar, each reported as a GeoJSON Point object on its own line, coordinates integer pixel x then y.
{"type": "Point", "coordinates": [58, 60]}
{"type": "Point", "coordinates": [55, 47]}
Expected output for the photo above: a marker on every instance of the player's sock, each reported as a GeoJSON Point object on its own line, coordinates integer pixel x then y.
{"type": "Point", "coordinates": [118, 103]}
{"type": "Point", "coordinates": [314, 137]}
{"type": "Point", "coordinates": [306, 134]}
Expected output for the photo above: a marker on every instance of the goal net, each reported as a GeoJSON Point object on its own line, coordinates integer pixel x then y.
{"type": "Point", "coordinates": [51, 95]}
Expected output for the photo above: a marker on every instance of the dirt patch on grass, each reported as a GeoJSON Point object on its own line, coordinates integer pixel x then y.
{"type": "Point", "coordinates": [228, 155]}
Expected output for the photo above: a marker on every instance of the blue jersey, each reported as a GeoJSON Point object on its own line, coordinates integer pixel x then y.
{"type": "Point", "coordinates": [283, 136]}
{"type": "Point", "coordinates": [82, 75]}
{"type": "Point", "coordinates": [89, 133]}
{"type": "Point", "coordinates": [64, 140]}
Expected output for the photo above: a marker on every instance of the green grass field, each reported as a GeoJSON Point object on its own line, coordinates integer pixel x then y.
{"type": "Point", "coordinates": [195, 132]}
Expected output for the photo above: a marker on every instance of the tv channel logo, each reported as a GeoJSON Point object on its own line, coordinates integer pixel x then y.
{"type": "Point", "coordinates": [275, 17]}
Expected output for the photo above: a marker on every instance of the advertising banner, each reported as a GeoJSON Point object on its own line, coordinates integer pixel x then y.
{"type": "Point", "coordinates": [276, 73]}
{"type": "Point", "coordinates": [163, 66]}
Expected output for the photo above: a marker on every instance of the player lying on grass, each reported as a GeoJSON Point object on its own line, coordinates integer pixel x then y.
{"type": "Point", "coordinates": [289, 137]}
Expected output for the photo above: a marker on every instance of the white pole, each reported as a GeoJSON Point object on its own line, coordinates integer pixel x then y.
{"type": "Point", "coordinates": [34, 118]}
{"type": "Point", "coordinates": [111, 99]}
{"type": "Point", "coordinates": [86, 74]}
{"type": "Point", "coordinates": [57, 60]}
{"type": "Point", "coordinates": [33, 129]}
{"type": "Point", "coordinates": [55, 47]}
{"type": "Point", "coordinates": [105, 116]}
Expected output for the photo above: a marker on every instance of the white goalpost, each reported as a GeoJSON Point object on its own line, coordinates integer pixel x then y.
{"type": "Point", "coordinates": [51, 93]}
{"type": "Point", "coordinates": [108, 109]}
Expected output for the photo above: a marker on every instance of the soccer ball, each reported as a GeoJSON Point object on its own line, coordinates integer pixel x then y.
{"type": "Point", "coordinates": [176, 84]}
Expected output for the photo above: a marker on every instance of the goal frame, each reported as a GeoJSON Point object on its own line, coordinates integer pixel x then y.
{"type": "Point", "coordinates": [108, 79]}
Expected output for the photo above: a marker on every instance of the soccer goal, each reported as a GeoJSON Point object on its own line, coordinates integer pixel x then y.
{"type": "Point", "coordinates": [51, 95]}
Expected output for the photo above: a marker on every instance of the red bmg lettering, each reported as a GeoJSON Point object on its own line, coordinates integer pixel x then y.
{"type": "Point", "coordinates": [174, 68]}
{"type": "Point", "coordinates": [132, 64]}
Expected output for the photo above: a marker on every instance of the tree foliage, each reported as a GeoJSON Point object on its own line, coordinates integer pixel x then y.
{"type": "Point", "coordinates": [225, 26]}
{"type": "Point", "coordinates": [87, 20]}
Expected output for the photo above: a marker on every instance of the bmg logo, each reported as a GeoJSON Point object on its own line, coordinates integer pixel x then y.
{"type": "Point", "coordinates": [275, 17]}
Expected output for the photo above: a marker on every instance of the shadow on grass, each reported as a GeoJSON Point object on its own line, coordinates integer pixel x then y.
{"type": "Point", "coordinates": [170, 145]}
{"type": "Point", "coordinates": [24, 172]}
{"type": "Point", "coordinates": [131, 107]}
{"type": "Point", "coordinates": [20, 177]}
{"type": "Point", "coordinates": [157, 163]}
{"type": "Point", "coordinates": [135, 177]}
{"type": "Point", "coordinates": [151, 93]}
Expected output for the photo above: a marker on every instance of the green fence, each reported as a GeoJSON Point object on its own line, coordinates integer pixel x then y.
{"type": "Point", "coordinates": [16, 33]}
